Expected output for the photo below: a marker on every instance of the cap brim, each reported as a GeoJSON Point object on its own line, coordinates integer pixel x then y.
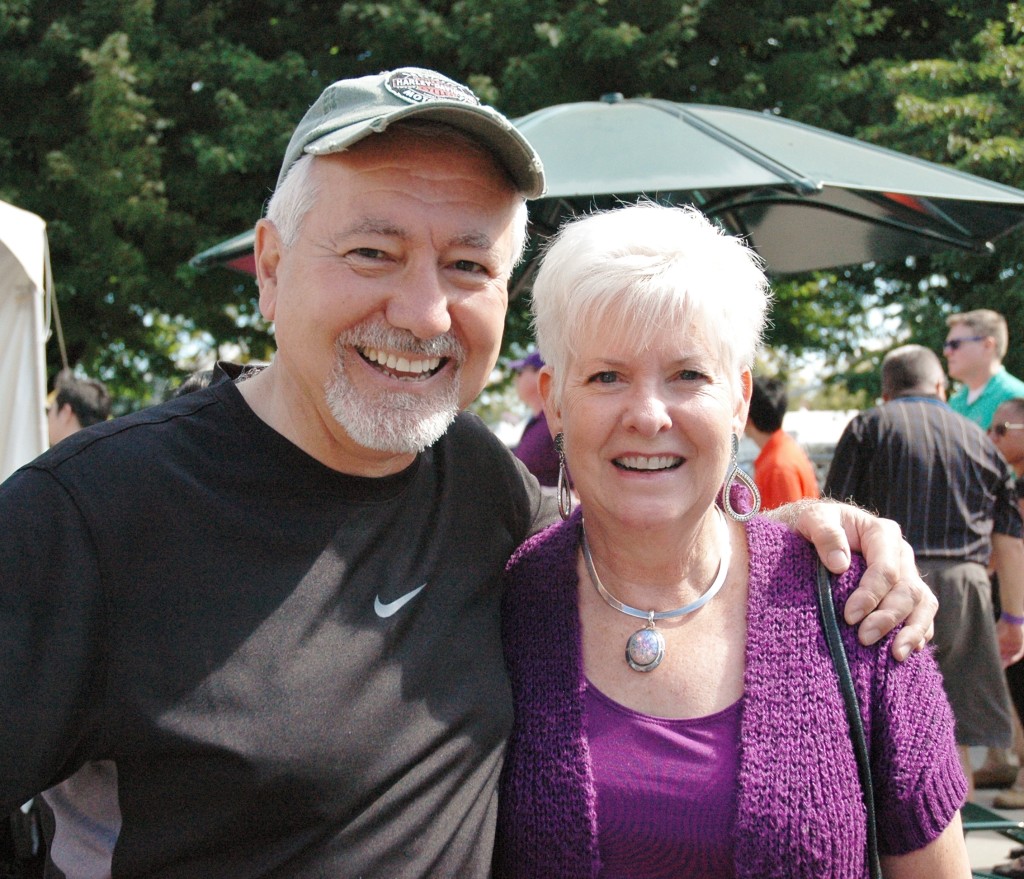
{"type": "Point", "coordinates": [481, 123]}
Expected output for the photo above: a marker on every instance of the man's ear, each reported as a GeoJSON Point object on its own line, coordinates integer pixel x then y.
{"type": "Point", "coordinates": [67, 419]}
{"type": "Point", "coordinates": [545, 384]}
{"type": "Point", "coordinates": [267, 251]}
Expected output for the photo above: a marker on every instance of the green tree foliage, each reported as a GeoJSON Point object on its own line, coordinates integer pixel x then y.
{"type": "Point", "coordinates": [963, 110]}
{"type": "Point", "coordinates": [144, 132]}
{"type": "Point", "coordinates": [141, 139]}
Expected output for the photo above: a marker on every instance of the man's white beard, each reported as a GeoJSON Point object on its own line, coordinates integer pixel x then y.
{"type": "Point", "coordinates": [393, 421]}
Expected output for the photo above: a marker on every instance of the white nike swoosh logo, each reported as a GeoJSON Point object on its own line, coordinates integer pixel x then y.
{"type": "Point", "coordinates": [392, 607]}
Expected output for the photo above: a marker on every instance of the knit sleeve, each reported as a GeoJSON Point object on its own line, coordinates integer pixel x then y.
{"type": "Point", "coordinates": [918, 782]}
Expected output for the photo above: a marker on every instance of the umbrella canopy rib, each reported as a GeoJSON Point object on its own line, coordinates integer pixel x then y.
{"type": "Point", "coordinates": [800, 183]}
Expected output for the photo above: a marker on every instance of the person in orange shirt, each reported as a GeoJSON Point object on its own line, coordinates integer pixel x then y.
{"type": "Point", "coordinates": [782, 471]}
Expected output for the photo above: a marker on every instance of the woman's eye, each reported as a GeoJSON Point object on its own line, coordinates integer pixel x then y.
{"type": "Point", "coordinates": [691, 375]}
{"type": "Point", "coordinates": [605, 377]}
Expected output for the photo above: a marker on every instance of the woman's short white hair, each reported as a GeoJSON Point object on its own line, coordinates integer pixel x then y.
{"type": "Point", "coordinates": [641, 268]}
{"type": "Point", "coordinates": [297, 193]}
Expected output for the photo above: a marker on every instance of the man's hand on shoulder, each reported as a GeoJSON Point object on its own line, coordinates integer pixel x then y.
{"type": "Point", "coordinates": [891, 590]}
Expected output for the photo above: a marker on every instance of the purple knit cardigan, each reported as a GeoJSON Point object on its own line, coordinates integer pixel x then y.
{"type": "Point", "coordinates": [799, 810]}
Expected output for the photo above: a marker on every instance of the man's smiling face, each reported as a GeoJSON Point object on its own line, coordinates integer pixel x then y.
{"type": "Point", "coordinates": [390, 305]}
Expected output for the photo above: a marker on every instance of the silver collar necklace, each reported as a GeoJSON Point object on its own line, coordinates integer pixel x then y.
{"type": "Point", "coordinates": [646, 647]}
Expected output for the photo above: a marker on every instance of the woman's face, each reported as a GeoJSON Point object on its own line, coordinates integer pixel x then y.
{"type": "Point", "coordinates": [647, 432]}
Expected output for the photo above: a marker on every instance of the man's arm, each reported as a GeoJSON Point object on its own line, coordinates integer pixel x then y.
{"type": "Point", "coordinates": [51, 624]}
{"type": "Point", "coordinates": [1008, 559]}
{"type": "Point", "coordinates": [890, 592]}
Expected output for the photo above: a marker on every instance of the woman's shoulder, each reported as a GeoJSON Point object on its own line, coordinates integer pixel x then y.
{"type": "Point", "coordinates": [783, 561]}
{"type": "Point", "coordinates": [538, 599]}
{"type": "Point", "coordinates": [558, 541]}
{"type": "Point", "coordinates": [540, 568]}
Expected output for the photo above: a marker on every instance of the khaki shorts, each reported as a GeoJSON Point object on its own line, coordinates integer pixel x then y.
{"type": "Point", "coordinates": [967, 652]}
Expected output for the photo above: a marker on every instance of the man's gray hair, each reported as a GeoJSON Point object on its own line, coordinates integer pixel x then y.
{"type": "Point", "coordinates": [910, 368]}
{"type": "Point", "coordinates": [297, 193]}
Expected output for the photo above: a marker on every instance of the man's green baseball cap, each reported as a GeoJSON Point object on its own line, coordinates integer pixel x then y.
{"type": "Point", "coordinates": [352, 109]}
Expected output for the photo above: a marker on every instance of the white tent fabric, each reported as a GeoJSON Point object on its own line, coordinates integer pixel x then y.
{"type": "Point", "coordinates": [24, 285]}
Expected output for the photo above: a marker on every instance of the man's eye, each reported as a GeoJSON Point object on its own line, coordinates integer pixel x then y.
{"type": "Point", "coordinates": [368, 253]}
{"type": "Point", "coordinates": [467, 265]}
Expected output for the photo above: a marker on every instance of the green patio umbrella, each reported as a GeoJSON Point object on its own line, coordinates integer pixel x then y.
{"type": "Point", "coordinates": [235, 253]}
{"type": "Point", "coordinates": [804, 198]}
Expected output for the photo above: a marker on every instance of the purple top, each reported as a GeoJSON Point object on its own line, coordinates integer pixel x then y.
{"type": "Point", "coordinates": [799, 810]}
{"type": "Point", "coordinates": [536, 449]}
{"type": "Point", "coordinates": [666, 790]}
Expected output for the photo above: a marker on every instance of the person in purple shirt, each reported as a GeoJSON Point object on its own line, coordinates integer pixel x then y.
{"type": "Point", "coordinates": [536, 447]}
{"type": "Point", "coordinates": [677, 713]}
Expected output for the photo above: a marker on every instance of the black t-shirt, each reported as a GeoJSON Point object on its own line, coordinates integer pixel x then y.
{"type": "Point", "coordinates": [295, 672]}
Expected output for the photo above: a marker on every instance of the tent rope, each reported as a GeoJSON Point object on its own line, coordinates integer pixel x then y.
{"type": "Point", "coordinates": [51, 303]}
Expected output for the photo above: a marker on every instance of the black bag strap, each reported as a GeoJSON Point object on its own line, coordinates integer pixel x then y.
{"type": "Point", "coordinates": [827, 609]}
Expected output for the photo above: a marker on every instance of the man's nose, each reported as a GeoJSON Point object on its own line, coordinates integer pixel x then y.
{"type": "Point", "coordinates": [419, 303]}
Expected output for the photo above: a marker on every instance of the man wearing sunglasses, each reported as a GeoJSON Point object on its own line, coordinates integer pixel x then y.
{"type": "Point", "coordinates": [974, 349]}
{"type": "Point", "coordinates": [975, 346]}
{"type": "Point", "coordinates": [1007, 432]}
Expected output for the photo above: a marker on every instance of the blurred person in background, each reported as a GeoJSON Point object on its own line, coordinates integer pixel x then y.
{"type": "Point", "coordinates": [782, 471]}
{"type": "Point", "coordinates": [198, 380]}
{"type": "Point", "coordinates": [916, 461]}
{"type": "Point", "coordinates": [1007, 432]}
{"type": "Point", "coordinates": [75, 403]}
{"type": "Point", "coordinates": [974, 348]}
{"type": "Point", "coordinates": [536, 447]}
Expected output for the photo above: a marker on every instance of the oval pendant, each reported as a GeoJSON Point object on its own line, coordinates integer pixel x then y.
{"type": "Point", "coordinates": [645, 649]}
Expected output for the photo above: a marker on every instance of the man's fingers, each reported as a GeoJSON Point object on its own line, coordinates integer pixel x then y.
{"type": "Point", "coordinates": [890, 595]}
{"type": "Point", "coordinates": [919, 628]}
{"type": "Point", "coordinates": [891, 591]}
{"type": "Point", "coordinates": [821, 523]}
{"type": "Point", "coordinates": [890, 588]}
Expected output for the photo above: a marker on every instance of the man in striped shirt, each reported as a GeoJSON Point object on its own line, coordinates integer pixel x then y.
{"type": "Point", "coordinates": [914, 460]}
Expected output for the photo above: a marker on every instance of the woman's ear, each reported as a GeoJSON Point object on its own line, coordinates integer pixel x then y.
{"type": "Point", "coordinates": [545, 383]}
{"type": "Point", "coordinates": [746, 388]}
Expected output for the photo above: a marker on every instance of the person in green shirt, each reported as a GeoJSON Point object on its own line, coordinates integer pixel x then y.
{"type": "Point", "coordinates": [974, 350]}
